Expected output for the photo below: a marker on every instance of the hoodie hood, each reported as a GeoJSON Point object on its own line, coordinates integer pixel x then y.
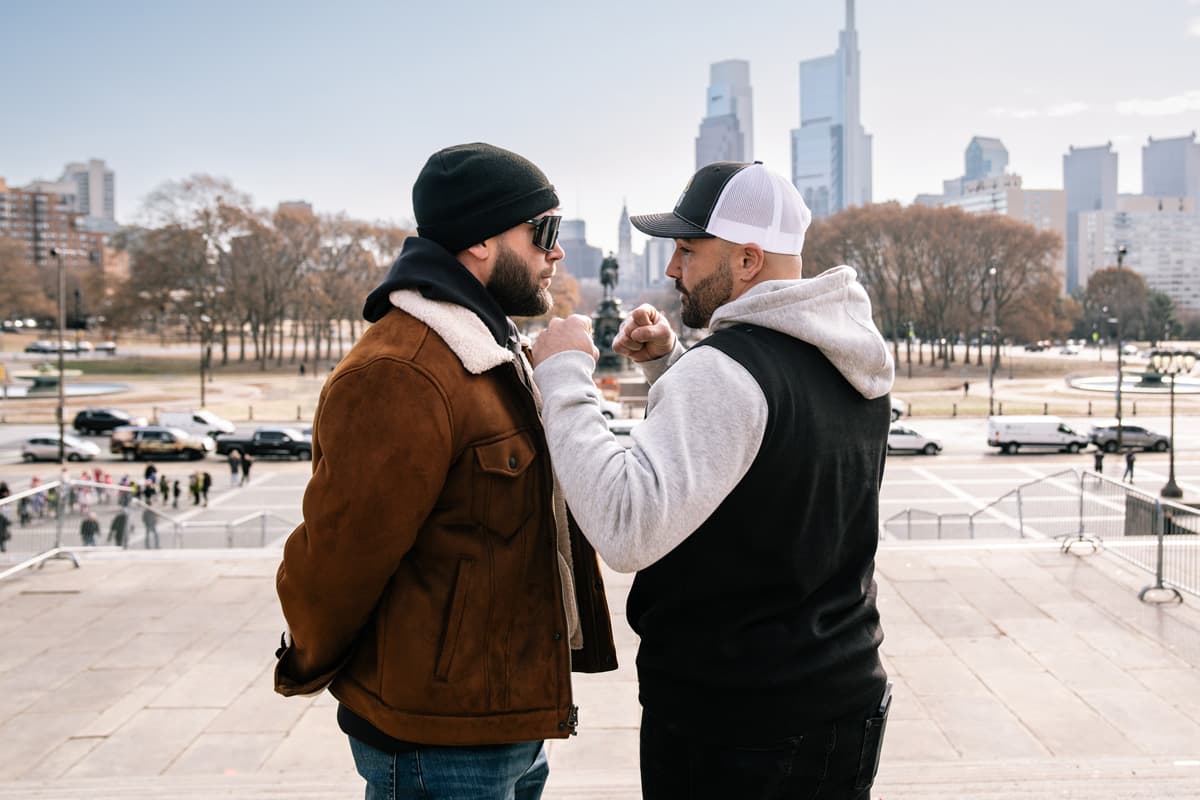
{"type": "Point", "coordinates": [433, 271]}
{"type": "Point", "coordinates": [830, 311]}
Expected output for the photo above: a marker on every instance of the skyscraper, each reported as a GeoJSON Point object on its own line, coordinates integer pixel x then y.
{"type": "Point", "coordinates": [1090, 181]}
{"type": "Point", "coordinates": [630, 266]}
{"type": "Point", "coordinates": [95, 197]}
{"type": "Point", "coordinates": [1171, 168]}
{"type": "Point", "coordinates": [985, 158]}
{"type": "Point", "coordinates": [727, 130]}
{"type": "Point", "coordinates": [831, 152]}
{"type": "Point", "coordinates": [580, 259]}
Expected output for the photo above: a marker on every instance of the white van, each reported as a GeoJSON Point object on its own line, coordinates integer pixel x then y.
{"type": "Point", "coordinates": [200, 423]}
{"type": "Point", "coordinates": [1014, 432]}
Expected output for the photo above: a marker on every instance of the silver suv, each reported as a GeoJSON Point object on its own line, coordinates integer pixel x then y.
{"type": "Point", "coordinates": [1105, 438]}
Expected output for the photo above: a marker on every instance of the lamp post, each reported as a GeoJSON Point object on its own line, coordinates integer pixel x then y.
{"type": "Point", "coordinates": [1172, 363]}
{"type": "Point", "coordinates": [205, 321]}
{"type": "Point", "coordinates": [992, 365]}
{"type": "Point", "coordinates": [1120, 428]}
{"type": "Point", "coordinates": [58, 254]}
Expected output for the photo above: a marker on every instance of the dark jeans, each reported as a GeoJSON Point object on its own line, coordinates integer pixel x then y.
{"type": "Point", "coordinates": [490, 772]}
{"type": "Point", "coordinates": [833, 761]}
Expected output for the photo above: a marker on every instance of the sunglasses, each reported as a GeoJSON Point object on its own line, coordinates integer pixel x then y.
{"type": "Point", "coordinates": [545, 232]}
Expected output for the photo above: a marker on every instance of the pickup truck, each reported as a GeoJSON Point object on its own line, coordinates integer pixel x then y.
{"type": "Point", "coordinates": [283, 442]}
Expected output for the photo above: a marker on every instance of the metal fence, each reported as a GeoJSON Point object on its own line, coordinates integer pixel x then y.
{"type": "Point", "coordinates": [75, 515]}
{"type": "Point", "coordinates": [1159, 536]}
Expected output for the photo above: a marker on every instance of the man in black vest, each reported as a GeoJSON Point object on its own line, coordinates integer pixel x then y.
{"type": "Point", "coordinates": [748, 504]}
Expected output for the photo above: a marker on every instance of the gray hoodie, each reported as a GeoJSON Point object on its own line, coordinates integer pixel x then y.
{"type": "Point", "coordinates": [705, 418]}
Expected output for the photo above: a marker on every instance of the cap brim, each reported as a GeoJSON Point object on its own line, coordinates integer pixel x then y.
{"type": "Point", "coordinates": [668, 226]}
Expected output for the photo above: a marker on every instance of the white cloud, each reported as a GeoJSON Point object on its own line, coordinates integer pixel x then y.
{"type": "Point", "coordinates": [1014, 113]}
{"type": "Point", "coordinates": [1066, 109]}
{"type": "Point", "coordinates": [1194, 27]}
{"type": "Point", "coordinates": [1162, 106]}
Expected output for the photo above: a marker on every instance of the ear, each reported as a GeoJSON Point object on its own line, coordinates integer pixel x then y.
{"type": "Point", "coordinates": [478, 259]}
{"type": "Point", "coordinates": [750, 261]}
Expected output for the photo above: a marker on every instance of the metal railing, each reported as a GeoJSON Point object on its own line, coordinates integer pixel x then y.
{"type": "Point", "coordinates": [1153, 534]}
{"type": "Point", "coordinates": [58, 518]}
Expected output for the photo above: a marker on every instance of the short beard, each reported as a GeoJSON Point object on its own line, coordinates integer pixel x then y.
{"type": "Point", "coordinates": [518, 293]}
{"type": "Point", "coordinates": [699, 304]}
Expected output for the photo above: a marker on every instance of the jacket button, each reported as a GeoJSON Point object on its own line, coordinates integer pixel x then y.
{"type": "Point", "coordinates": [557, 636]}
{"type": "Point", "coordinates": [562, 725]}
{"type": "Point", "coordinates": [512, 462]}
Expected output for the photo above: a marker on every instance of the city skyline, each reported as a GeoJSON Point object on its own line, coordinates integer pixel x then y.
{"type": "Point", "coordinates": [341, 108]}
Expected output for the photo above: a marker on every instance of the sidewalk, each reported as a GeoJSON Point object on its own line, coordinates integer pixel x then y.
{"type": "Point", "coordinates": [1020, 672]}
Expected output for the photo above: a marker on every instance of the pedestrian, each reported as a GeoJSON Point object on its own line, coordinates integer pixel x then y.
{"type": "Point", "coordinates": [194, 488]}
{"type": "Point", "coordinates": [117, 528]}
{"type": "Point", "coordinates": [150, 520]}
{"type": "Point", "coordinates": [149, 490]}
{"type": "Point", "coordinates": [1098, 461]}
{"type": "Point", "coordinates": [301, 369]}
{"type": "Point", "coordinates": [457, 689]}
{"type": "Point", "coordinates": [164, 488]}
{"type": "Point", "coordinates": [151, 473]}
{"type": "Point", "coordinates": [5, 520]}
{"type": "Point", "coordinates": [205, 485]}
{"type": "Point", "coordinates": [966, 388]}
{"type": "Point", "coordinates": [235, 465]}
{"type": "Point", "coordinates": [1129, 459]}
{"type": "Point", "coordinates": [175, 494]}
{"type": "Point", "coordinates": [246, 463]}
{"type": "Point", "coordinates": [89, 529]}
{"type": "Point", "coordinates": [759, 632]}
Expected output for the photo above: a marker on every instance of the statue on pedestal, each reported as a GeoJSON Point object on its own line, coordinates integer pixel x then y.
{"type": "Point", "coordinates": [607, 319]}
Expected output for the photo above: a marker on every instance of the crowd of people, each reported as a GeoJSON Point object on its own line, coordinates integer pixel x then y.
{"type": "Point", "coordinates": [94, 488]}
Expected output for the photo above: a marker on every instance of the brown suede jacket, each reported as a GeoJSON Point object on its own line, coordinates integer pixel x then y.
{"type": "Point", "coordinates": [425, 585]}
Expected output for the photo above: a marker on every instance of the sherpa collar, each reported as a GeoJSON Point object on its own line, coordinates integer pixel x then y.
{"type": "Point", "coordinates": [460, 328]}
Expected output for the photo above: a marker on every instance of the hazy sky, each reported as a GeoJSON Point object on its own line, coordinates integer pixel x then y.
{"type": "Point", "coordinates": [341, 103]}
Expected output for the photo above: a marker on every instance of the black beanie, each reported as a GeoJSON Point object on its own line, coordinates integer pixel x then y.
{"type": "Point", "coordinates": [470, 192]}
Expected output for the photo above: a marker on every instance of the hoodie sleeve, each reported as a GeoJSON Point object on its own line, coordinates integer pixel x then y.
{"type": "Point", "coordinates": [704, 425]}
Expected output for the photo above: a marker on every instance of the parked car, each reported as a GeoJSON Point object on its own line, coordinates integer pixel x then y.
{"type": "Point", "coordinates": [282, 442]}
{"type": "Point", "coordinates": [201, 423]}
{"type": "Point", "coordinates": [899, 408]}
{"type": "Point", "coordinates": [157, 441]}
{"type": "Point", "coordinates": [106, 347]}
{"type": "Point", "coordinates": [44, 447]}
{"type": "Point", "coordinates": [1129, 350]}
{"type": "Point", "coordinates": [1070, 350]}
{"type": "Point", "coordinates": [1010, 433]}
{"type": "Point", "coordinates": [42, 346]}
{"type": "Point", "coordinates": [901, 439]}
{"type": "Point", "coordinates": [1105, 438]}
{"type": "Point", "coordinates": [84, 346]}
{"type": "Point", "coordinates": [103, 420]}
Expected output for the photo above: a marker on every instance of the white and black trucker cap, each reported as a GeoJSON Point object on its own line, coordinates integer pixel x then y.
{"type": "Point", "coordinates": [737, 202]}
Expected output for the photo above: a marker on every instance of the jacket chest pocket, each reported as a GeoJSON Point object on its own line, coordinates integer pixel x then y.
{"type": "Point", "coordinates": [506, 485]}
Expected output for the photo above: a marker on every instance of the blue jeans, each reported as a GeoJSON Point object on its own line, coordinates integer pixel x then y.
{"type": "Point", "coordinates": [487, 772]}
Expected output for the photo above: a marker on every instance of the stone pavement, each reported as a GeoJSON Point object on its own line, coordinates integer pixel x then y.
{"type": "Point", "coordinates": [1020, 673]}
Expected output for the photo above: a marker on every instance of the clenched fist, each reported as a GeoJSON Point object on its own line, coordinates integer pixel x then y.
{"type": "Point", "coordinates": [572, 333]}
{"type": "Point", "coordinates": [645, 335]}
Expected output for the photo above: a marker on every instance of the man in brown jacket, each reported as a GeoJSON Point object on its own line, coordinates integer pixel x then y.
{"type": "Point", "coordinates": [437, 586]}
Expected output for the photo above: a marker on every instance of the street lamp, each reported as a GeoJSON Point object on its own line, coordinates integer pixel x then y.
{"type": "Point", "coordinates": [1120, 430]}
{"type": "Point", "coordinates": [58, 254]}
{"type": "Point", "coordinates": [1172, 363]}
{"type": "Point", "coordinates": [992, 366]}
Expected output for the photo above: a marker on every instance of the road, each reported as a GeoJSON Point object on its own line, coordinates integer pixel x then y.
{"type": "Point", "coordinates": [966, 477]}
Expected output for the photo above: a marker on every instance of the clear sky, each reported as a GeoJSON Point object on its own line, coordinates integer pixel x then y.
{"type": "Point", "coordinates": [341, 103]}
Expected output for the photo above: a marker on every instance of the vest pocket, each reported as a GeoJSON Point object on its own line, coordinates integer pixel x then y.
{"type": "Point", "coordinates": [504, 491]}
{"type": "Point", "coordinates": [454, 618]}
